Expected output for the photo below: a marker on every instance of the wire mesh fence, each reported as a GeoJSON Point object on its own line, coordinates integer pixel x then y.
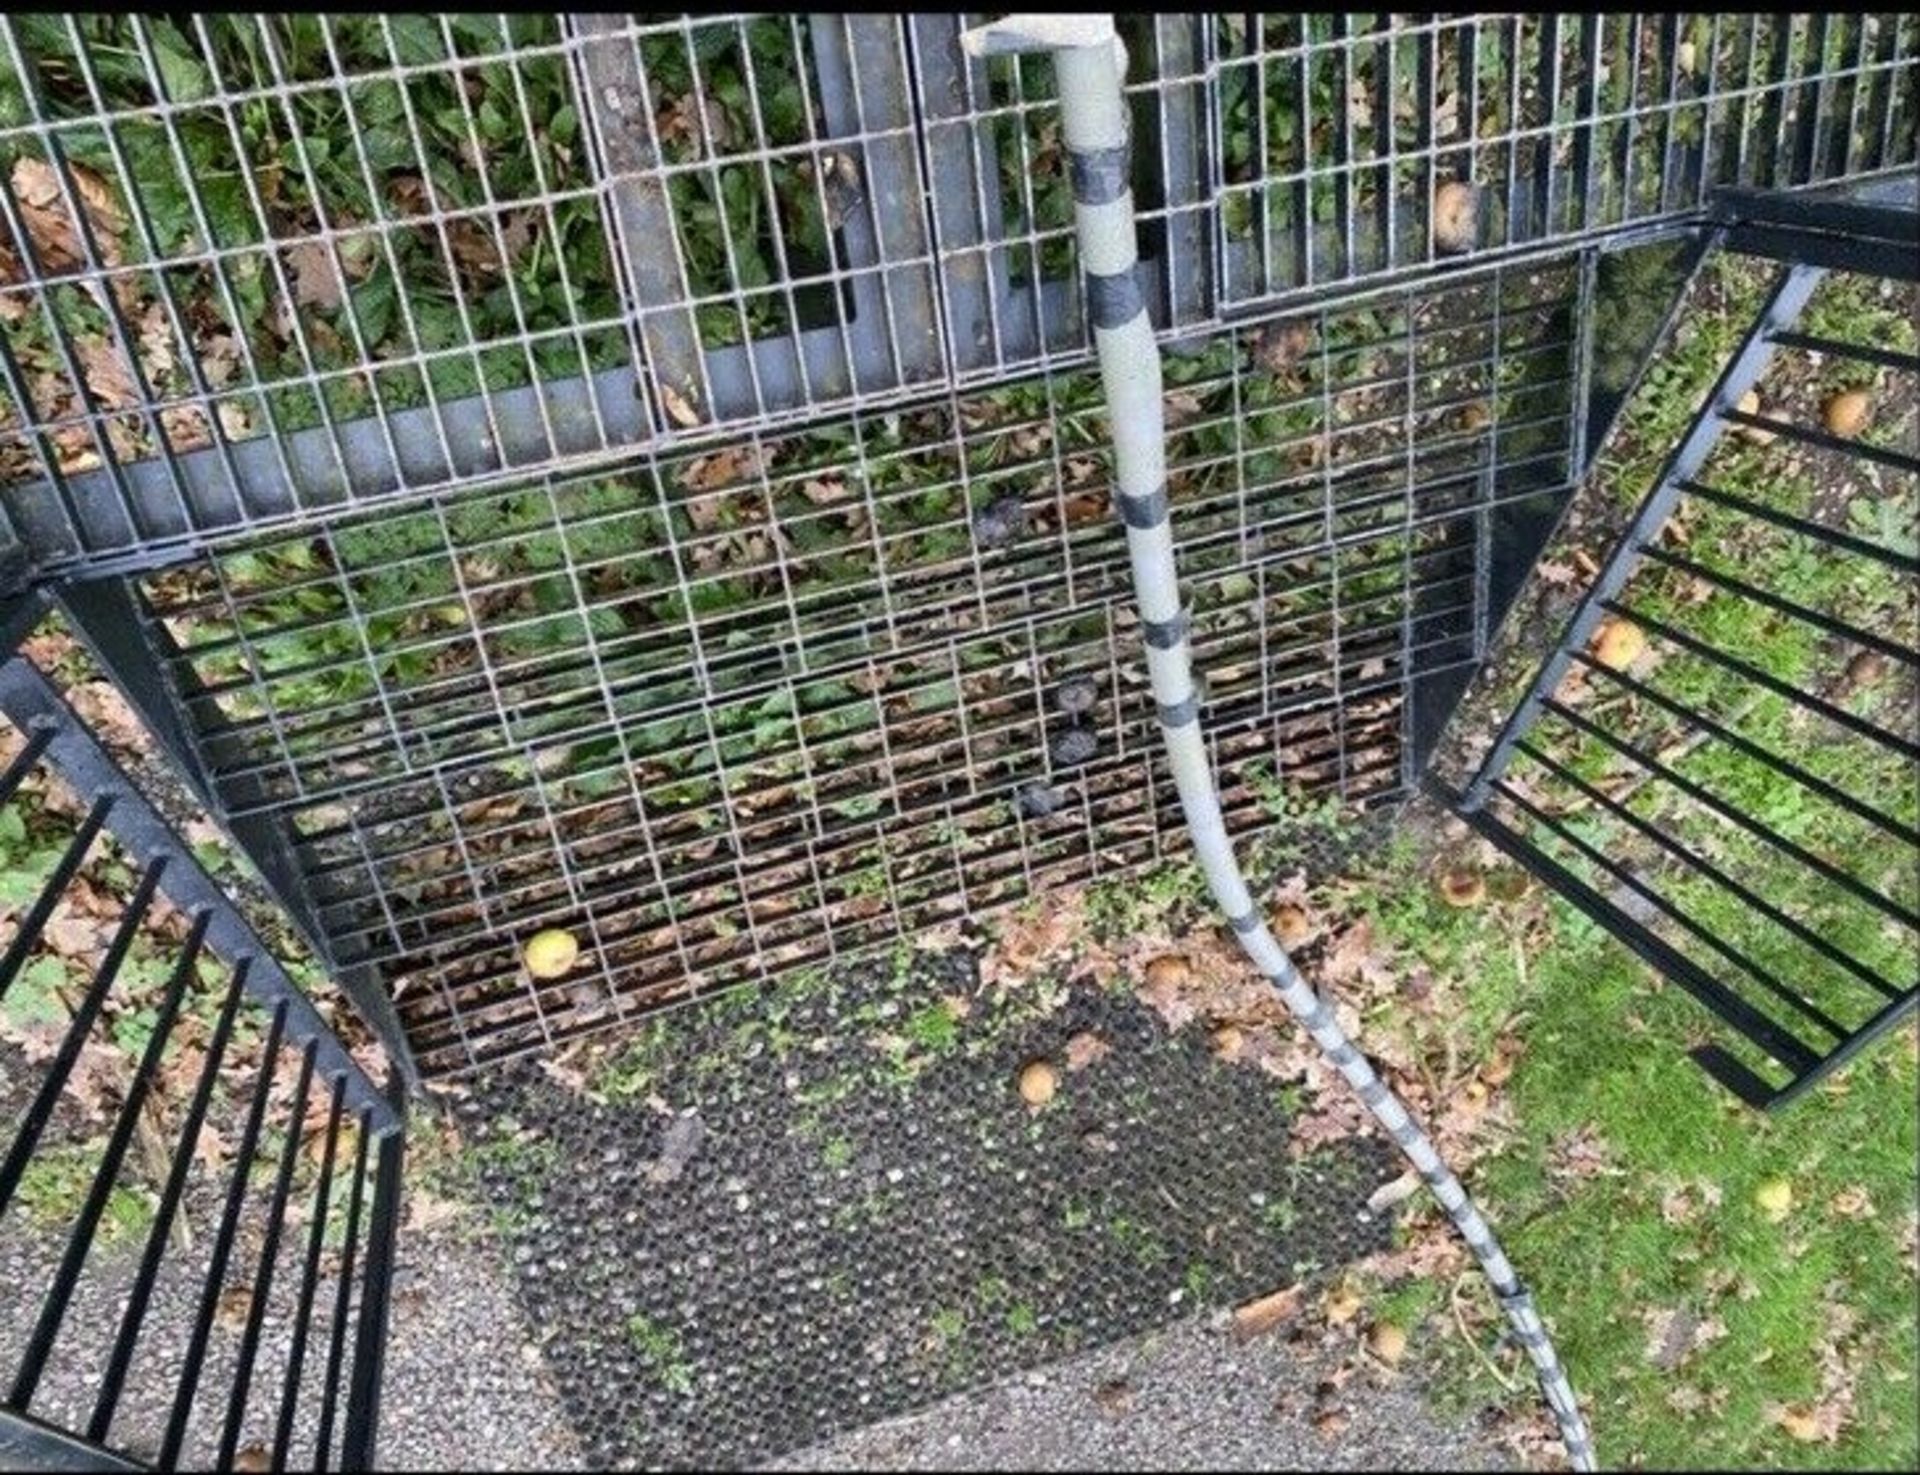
{"type": "Point", "coordinates": [755, 600]}
{"type": "Point", "coordinates": [260, 269]}
{"type": "Point", "coordinates": [740, 709]}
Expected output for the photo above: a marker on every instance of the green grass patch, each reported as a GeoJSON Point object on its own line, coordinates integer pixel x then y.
{"type": "Point", "coordinates": [1704, 1331]}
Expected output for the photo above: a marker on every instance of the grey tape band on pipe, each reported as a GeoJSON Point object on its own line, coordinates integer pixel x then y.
{"type": "Point", "coordinates": [1165, 634]}
{"type": "Point", "coordinates": [1098, 176]}
{"type": "Point", "coordinates": [1114, 301]}
{"type": "Point", "coordinates": [1144, 513]}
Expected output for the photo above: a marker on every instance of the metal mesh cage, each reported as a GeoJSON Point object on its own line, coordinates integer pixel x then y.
{"type": "Point", "coordinates": [260, 269]}
{"type": "Point", "coordinates": [847, 681]}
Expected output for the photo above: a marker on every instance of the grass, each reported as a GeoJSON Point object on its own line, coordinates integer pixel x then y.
{"type": "Point", "coordinates": [54, 1187]}
{"type": "Point", "coordinates": [1603, 1059]}
{"type": "Point", "coordinates": [660, 1353]}
{"type": "Point", "coordinates": [1809, 1322]}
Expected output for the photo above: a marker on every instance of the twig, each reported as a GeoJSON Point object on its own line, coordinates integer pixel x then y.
{"type": "Point", "coordinates": [1453, 1301]}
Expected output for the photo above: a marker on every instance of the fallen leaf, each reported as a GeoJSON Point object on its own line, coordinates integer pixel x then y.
{"type": "Point", "coordinates": [236, 1300]}
{"type": "Point", "coordinates": [728, 467]}
{"type": "Point", "coordinates": [1353, 957]}
{"type": "Point", "coordinates": [1085, 1048]}
{"type": "Point", "coordinates": [1388, 1194]}
{"type": "Point", "coordinates": [1114, 1396]}
{"type": "Point", "coordinates": [1387, 1342]}
{"type": "Point", "coordinates": [1341, 1304]}
{"type": "Point", "coordinates": [1674, 1335]}
{"type": "Point", "coordinates": [1578, 1154]}
{"type": "Point", "coordinates": [679, 407]}
{"type": "Point", "coordinates": [50, 225]}
{"type": "Point", "coordinates": [1268, 1312]}
{"type": "Point", "coordinates": [1852, 1202]}
{"type": "Point", "coordinates": [316, 280]}
{"type": "Point", "coordinates": [1800, 1422]}
{"type": "Point", "coordinates": [1330, 1421]}
{"type": "Point", "coordinates": [1682, 1203]}
{"type": "Point", "coordinates": [427, 1210]}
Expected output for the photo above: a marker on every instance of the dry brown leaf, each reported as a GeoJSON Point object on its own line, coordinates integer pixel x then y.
{"type": "Point", "coordinates": [1353, 958]}
{"type": "Point", "coordinates": [1394, 1191]}
{"type": "Point", "coordinates": [1341, 1304]}
{"type": "Point", "coordinates": [1331, 1420]}
{"type": "Point", "coordinates": [1268, 1312]}
{"type": "Point", "coordinates": [1674, 1335]}
{"type": "Point", "coordinates": [428, 1210]}
{"type": "Point", "coordinates": [1852, 1202]}
{"type": "Point", "coordinates": [824, 492]}
{"type": "Point", "coordinates": [110, 715]}
{"type": "Point", "coordinates": [730, 466]}
{"type": "Point", "coordinates": [1682, 1203]}
{"type": "Point", "coordinates": [50, 224]}
{"type": "Point", "coordinates": [1085, 1049]}
{"type": "Point", "coordinates": [236, 1300]}
{"type": "Point", "coordinates": [1338, 1117]}
{"type": "Point", "coordinates": [108, 375]}
{"type": "Point", "coordinates": [679, 407]}
{"type": "Point", "coordinates": [1580, 1154]}
{"type": "Point", "coordinates": [316, 279]}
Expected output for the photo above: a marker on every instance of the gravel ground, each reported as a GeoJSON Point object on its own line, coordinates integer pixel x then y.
{"type": "Point", "coordinates": [1186, 1397]}
{"type": "Point", "coordinates": [466, 1387]}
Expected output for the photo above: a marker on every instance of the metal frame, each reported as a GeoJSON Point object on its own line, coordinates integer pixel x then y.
{"type": "Point", "coordinates": [942, 258]}
{"type": "Point", "coordinates": [420, 791]}
{"type": "Point", "coordinates": [361, 1120]}
{"type": "Point", "coordinates": [1874, 235]}
{"type": "Point", "coordinates": [1404, 513]}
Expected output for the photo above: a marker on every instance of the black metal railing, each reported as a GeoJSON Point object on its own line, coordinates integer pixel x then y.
{"type": "Point", "coordinates": [1746, 816]}
{"type": "Point", "coordinates": [200, 1186]}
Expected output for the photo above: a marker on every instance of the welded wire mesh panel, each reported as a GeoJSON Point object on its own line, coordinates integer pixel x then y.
{"type": "Point", "coordinates": [1349, 145]}
{"type": "Point", "coordinates": [257, 270]}
{"type": "Point", "coordinates": [739, 709]}
{"type": "Point", "coordinates": [1727, 773]}
{"type": "Point", "coordinates": [193, 1175]}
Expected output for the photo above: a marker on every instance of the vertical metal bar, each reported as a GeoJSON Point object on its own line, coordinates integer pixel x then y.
{"type": "Point", "coordinates": [269, 1252]}
{"type": "Point", "coordinates": [343, 1301]}
{"type": "Point", "coordinates": [40, 1109]}
{"type": "Point", "coordinates": [189, 1384]}
{"type": "Point", "coordinates": [1579, 452]}
{"type": "Point", "coordinates": [121, 1358]}
{"type": "Point", "coordinates": [310, 1276]}
{"type": "Point", "coordinates": [1583, 151]}
{"type": "Point", "coordinates": [53, 1307]}
{"type": "Point", "coordinates": [640, 222]}
{"type": "Point", "coordinates": [1810, 115]}
{"type": "Point", "coordinates": [370, 1344]}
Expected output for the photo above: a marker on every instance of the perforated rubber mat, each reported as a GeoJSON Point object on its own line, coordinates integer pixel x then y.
{"type": "Point", "coordinates": [789, 1215]}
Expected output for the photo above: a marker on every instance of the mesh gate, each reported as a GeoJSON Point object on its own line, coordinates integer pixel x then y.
{"type": "Point", "coordinates": [469, 245]}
